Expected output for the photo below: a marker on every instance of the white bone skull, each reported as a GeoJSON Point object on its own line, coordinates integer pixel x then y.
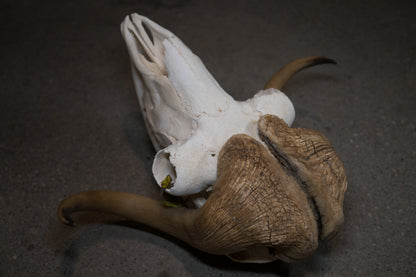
{"type": "Point", "coordinates": [189, 117]}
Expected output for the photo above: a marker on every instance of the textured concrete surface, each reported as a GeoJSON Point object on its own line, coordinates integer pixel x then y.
{"type": "Point", "coordinates": [70, 121]}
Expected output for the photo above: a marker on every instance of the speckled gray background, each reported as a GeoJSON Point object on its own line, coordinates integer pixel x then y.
{"type": "Point", "coordinates": [69, 121]}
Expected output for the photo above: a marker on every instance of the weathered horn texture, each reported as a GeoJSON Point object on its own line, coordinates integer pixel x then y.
{"type": "Point", "coordinates": [310, 156]}
{"type": "Point", "coordinates": [257, 206]}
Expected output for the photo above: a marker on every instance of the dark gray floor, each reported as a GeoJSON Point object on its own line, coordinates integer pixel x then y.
{"type": "Point", "coordinates": [70, 122]}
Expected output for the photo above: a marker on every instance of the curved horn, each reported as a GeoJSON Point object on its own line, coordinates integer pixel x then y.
{"type": "Point", "coordinates": [280, 78]}
{"type": "Point", "coordinates": [138, 208]}
{"type": "Point", "coordinates": [256, 211]}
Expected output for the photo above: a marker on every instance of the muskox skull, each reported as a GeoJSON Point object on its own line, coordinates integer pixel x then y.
{"type": "Point", "coordinates": [275, 190]}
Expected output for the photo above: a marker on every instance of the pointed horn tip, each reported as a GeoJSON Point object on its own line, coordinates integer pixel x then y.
{"type": "Point", "coordinates": [64, 217]}
{"type": "Point", "coordinates": [322, 59]}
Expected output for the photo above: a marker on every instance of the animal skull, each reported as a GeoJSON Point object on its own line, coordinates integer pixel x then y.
{"type": "Point", "coordinates": [188, 115]}
{"type": "Point", "coordinates": [276, 189]}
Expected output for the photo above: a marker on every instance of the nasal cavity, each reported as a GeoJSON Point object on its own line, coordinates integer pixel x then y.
{"type": "Point", "coordinates": [148, 32]}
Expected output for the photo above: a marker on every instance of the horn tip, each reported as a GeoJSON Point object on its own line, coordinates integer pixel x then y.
{"type": "Point", "coordinates": [64, 217]}
{"type": "Point", "coordinates": [322, 59]}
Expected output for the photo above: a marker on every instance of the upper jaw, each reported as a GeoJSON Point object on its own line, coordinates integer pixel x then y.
{"type": "Point", "coordinates": [173, 86]}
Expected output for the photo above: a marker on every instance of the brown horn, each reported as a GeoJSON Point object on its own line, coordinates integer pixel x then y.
{"type": "Point", "coordinates": [256, 211]}
{"type": "Point", "coordinates": [280, 78]}
{"type": "Point", "coordinates": [172, 221]}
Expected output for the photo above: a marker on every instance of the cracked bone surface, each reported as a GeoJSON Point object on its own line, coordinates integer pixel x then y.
{"type": "Point", "coordinates": [189, 117]}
